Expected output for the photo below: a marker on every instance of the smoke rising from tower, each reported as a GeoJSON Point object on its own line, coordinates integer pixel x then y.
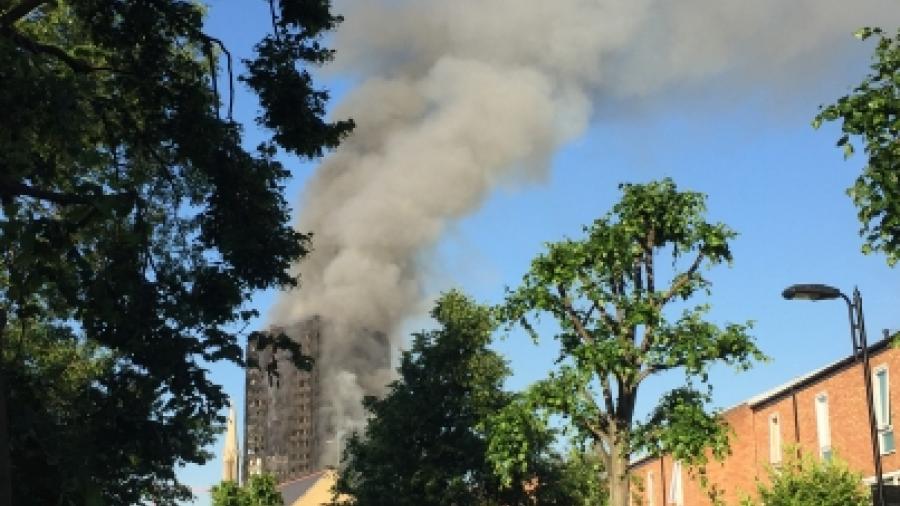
{"type": "Point", "coordinates": [455, 97]}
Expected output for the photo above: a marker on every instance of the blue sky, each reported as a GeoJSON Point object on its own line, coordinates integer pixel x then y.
{"type": "Point", "coordinates": [767, 173]}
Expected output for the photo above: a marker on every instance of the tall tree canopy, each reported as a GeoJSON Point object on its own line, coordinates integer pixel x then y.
{"type": "Point", "coordinates": [427, 439]}
{"type": "Point", "coordinates": [872, 112]}
{"type": "Point", "coordinates": [618, 326]}
{"type": "Point", "coordinates": [133, 220]}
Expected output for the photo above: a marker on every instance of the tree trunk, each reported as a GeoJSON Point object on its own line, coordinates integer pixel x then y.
{"type": "Point", "coordinates": [619, 477]}
{"type": "Point", "coordinates": [5, 464]}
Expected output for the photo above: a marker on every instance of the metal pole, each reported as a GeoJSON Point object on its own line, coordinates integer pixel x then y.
{"type": "Point", "coordinates": [860, 328]}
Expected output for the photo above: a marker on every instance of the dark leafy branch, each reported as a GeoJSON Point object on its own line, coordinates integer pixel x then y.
{"type": "Point", "coordinates": [77, 65]}
{"type": "Point", "coordinates": [20, 10]}
{"type": "Point", "coordinates": [133, 219]}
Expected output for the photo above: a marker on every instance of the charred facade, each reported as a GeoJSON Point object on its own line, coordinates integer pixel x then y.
{"type": "Point", "coordinates": [280, 424]}
{"type": "Point", "coordinates": [292, 424]}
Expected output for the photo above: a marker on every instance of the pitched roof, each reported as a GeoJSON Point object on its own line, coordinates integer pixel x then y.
{"type": "Point", "coordinates": [797, 382]}
{"type": "Point", "coordinates": [293, 490]}
{"type": "Point", "coordinates": [813, 376]}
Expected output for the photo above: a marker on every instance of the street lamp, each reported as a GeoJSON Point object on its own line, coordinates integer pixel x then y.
{"type": "Point", "coordinates": [817, 292]}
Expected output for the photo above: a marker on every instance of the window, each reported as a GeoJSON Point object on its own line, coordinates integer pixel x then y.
{"type": "Point", "coordinates": [881, 391]}
{"type": "Point", "coordinates": [774, 439]}
{"type": "Point", "coordinates": [651, 499]}
{"type": "Point", "coordinates": [823, 427]}
{"type": "Point", "coordinates": [676, 493]}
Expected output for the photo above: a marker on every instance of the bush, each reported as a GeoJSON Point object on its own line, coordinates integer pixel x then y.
{"type": "Point", "coordinates": [807, 480]}
{"type": "Point", "coordinates": [260, 490]}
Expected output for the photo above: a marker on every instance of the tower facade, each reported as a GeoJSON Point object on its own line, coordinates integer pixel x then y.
{"type": "Point", "coordinates": [294, 423]}
{"type": "Point", "coordinates": [280, 412]}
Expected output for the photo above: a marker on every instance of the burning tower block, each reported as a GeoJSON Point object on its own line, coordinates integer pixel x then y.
{"type": "Point", "coordinates": [292, 425]}
{"type": "Point", "coordinates": [280, 421]}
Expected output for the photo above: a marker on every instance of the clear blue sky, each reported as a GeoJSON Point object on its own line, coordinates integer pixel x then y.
{"type": "Point", "coordinates": [768, 175]}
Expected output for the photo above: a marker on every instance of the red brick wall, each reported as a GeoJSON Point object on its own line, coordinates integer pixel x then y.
{"type": "Point", "coordinates": [738, 474]}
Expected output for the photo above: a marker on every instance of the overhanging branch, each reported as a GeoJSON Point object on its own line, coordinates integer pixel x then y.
{"type": "Point", "coordinates": [77, 65]}
{"type": "Point", "coordinates": [208, 40]}
{"type": "Point", "coordinates": [20, 10]}
{"type": "Point", "coordinates": [10, 189]}
{"type": "Point", "coordinates": [13, 189]}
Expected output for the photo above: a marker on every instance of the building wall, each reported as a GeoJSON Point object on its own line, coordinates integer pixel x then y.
{"type": "Point", "coordinates": [280, 413]}
{"type": "Point", "coordinates": [795, 408]}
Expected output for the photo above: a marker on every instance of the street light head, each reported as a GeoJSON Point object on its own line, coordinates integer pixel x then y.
{"type": "Point", "coordinates": [810, 292]}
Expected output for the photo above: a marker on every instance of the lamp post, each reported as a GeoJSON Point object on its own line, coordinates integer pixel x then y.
{"type": "Point", "coordinates": [817, 292]}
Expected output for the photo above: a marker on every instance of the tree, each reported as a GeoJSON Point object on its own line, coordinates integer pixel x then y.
{"type": "Point", "coordinates": [575, 481]}
{"type": "Point", "coordinates": [427, 438]}
{"type": "Point", "coordinates": [870, 111]}
{"type": "Point", "coordinates": [803, 480]}
{"type": "Point", "coordinates": [228, 493]}
{"type": "Point", "coordinates": [616, 329]}
{"type": "Point", "coordinates": [132, 218]}
{"type": "Point", "coordinates": [60, 416]}
{"type": "Point", "coordinates": [260, 490]}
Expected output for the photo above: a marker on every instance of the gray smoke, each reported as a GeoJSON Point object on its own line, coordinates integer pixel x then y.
{"type": "Point", "coordinates": [456, 97]}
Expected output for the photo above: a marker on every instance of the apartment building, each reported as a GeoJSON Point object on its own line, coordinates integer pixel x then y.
{"type": "Point", "coordinates": [291, 426]}
{"type": "Point", "coordinates": [281, 414]}
{"type": "Point", "coordinates": [823, 412]}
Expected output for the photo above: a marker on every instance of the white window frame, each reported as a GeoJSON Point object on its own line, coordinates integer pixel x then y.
{"type": "Point", "coordinates": [823, 424]}
{"type": "Point", "coordinates": [882, 406]}
{"type": "Point", "coordinates": [676, 492]}
{"type": "Point", "coordinates": [775, 452]}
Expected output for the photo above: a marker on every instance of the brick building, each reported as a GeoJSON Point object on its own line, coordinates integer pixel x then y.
{"type": "Point", "coordinates": [280, 423]}
{"type": "Point", "coordinates": [823, 412]}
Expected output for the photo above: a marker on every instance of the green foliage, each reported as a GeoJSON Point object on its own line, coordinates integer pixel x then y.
{"type": "Point", "coordinates": [805, 480]}
{"type": "Point", "coordinates": [575, 481]}
{"type": "Point", "coordinates": [426, 441]}
{"type": "Point", "coordinates": [681, 426]}
{"type": "Point", "coordinates": [870, 111]}
{"type": "Point", "coordinates": [55, 393]}
{"type": "Point", "coordinates": [260, 490]}
{"type": "Point", "coordinates": [132, 218]}
{"type": "Point", "coordinates": [616, 330]}
{"type": "Point", "coordinates": [228, 493]}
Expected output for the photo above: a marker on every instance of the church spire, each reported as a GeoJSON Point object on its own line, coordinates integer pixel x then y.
{"type": "Point", "coordinates": [230, 454]}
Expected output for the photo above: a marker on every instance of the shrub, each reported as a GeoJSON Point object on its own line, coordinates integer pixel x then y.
{"type": "Point", "coordinates": [807, 480]}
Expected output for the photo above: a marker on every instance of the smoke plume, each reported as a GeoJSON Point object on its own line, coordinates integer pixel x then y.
{"type": "Point", "coordinates": [454, 97]}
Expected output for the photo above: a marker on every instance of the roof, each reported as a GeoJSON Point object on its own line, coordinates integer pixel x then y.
{"type": "Point", "coordinates": [322, 492]}
{"type": "Point", "coordinates": [811, 377]}
{"type": "Point", "coordinates": [795, 383]}
{"type": "Point", "coordinates": [293, 490]}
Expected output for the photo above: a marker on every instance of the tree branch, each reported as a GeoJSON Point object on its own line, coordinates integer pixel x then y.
{"type": "Point", "coordinates": [19, 11]}
{"type": "Point", "coordinates": [613, 324]}
{"type": "Point", "coordinates": [207, 39]}
{"type": "Point", "coordinates": [682, 280]}
{"type": "Point", "coordinates": [679, 282]}
{"type": "Point", "coordinates": [607, 318]}
{"type": "Point", "coordinates": [599, 434]}
{"type": "Point", "coordinates": [607, 395]}
{"type": "Point", "coordinates": [651, 369]}
{"type": "Point", "coordinates": [77, 65]}
{"type": "Point", "coordinates": [576, 321]}
{"type": "Point", "coordinates": [648, 260]}
{"type": "Point", "coordinates": [15, 189]}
